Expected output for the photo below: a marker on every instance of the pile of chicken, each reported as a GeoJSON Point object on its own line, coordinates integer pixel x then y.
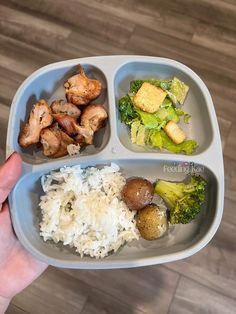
{"type": "Point", "coordinates": [63, 127]}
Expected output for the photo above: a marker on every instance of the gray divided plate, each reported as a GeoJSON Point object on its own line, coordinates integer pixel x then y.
{"type": "Point", "coordinates": [113, 144]}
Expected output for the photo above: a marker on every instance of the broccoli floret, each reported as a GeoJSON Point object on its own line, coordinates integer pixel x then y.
{"type": "Point", "coordinates": [184, 200]}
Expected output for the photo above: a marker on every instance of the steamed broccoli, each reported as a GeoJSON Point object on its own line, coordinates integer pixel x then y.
{"type": "Point", "coordinates": [184, 200]}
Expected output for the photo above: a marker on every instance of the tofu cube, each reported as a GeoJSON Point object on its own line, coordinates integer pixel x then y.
{"type": "Point", "coordinates": [149, 97]}
{"type": "Point", "coordinates": [174, 132]}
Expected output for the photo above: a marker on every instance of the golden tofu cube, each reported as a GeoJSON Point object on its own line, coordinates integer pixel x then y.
{"type": "Point", "coordinates": [149, 97]}
{"type": "Point", "coordinates": [174, 132]}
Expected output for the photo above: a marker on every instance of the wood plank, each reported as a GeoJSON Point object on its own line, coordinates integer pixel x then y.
{"type": "Point", "coordinates": [190, 297]}
{"type": "Point", "coordinates": [216, 38]}
{"type": "Point", "coordinates": [164, 22]}
{"type": "Point", "coordinates": [224, 126]}
{"type": "Point", "coordinates": [114, 29]}
{"type": "Point", "coordinates": [32, 29]}
{"type": "Point", "coordinates": [23, 58]}
{"type": "Point", "coordinates": [215, 66]}
{"type": "Point", "coordinates": [85, 44]}
{"type": "Point", "coordinates": [215, 12]}
{"type": "Point", "coordinates": [214, 266]}
{"type": "Point", "coordinates": [4, 114]}
{"type": "Point", "coordinates": [229, 211]}
{"type": "Point", "coordinates": [230, 178]}
{"type": "Point", "coordinates": [53, 292]}
{"type": "Point", "coordinates": [9, 82]}
{"type": "Point", "coordinates": [145, 289]}
{"type": "Point", "coordinates": [12, 309]}
{"type": "Point", "coordinates": [99, 302]}
{"type": "Point", "coordinates": [230, 147]}
{"type": "Point", "coordinates": [219, 283]}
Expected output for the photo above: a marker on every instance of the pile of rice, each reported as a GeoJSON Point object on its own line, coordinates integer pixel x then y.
{"type": "Point", "coordinates": [83, 209]}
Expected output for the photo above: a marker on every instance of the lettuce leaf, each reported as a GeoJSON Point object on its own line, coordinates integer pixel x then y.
{"type": "Point", "coordinates": [127, 110]}
{"type": "Point", "coordinates": [178, 91]}
{"type": "Point", "coordinates": [136, 84]}
{"type": "Point", "coordinates": [150, 120]}
{"type": "Point", "coordinates": [160, 140]}
{"type": "Point", "coordinates": [167, 114]}
{"type": "Point", "coordinates": [139, 133]}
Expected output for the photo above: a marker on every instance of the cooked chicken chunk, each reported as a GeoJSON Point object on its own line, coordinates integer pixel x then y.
{"type": "Point", "coordinates": [80, 90]}
{"type": "Point", "coordinates": [68, 123]}
{"type": "Point", "coordinates": [51, 141]}
{"type": "Point", "coordinates": [71, 127]}
{"type": "Point", "coordinates": [60, 106]}
{"type": "Point", "coordinates": [66, 140]}
{"type": "Point", "coordinates": [93, 117]}
{"type": "Point", "coordinates": [40, 118]}
{"type": "Point", "coordinates": [84, 135]}
{"type": "Point", "coordinates": [55, 142]}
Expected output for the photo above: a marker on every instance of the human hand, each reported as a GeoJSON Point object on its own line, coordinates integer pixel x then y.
{"type": "Point", "coordinates": [17, 267]}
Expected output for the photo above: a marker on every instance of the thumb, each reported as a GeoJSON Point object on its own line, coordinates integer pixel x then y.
{"type": "Point", "coordinates": [10, 171]}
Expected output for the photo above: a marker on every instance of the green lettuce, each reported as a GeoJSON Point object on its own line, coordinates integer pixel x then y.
{"type": "Point", "coordinates": [150, 120]}
{"type": "Point", "coordinates": [160, 140]}
{"type": "Point", "coordinates": [136, 84]}
{"type": "Point", "coordinates": [178, 91]}
{"type": "Point", "coordinates": [139, 133]}
{"type": "Point", "coordinates": [127, 110]}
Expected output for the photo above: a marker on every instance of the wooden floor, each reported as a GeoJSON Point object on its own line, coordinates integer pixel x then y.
{"type": "Point", "coordinates": [201, 34]}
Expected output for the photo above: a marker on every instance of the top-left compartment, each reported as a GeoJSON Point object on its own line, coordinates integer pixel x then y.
{"type": "Point", "coordinates": [48, 83]}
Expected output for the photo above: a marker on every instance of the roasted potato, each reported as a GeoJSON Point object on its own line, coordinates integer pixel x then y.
{"type": "Point", "coordinates": [151, 222]}
{"type": "Point", "coordinates": [137, 193]}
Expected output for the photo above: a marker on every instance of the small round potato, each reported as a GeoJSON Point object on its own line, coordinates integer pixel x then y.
{"type": "Point", "coordinates": [137, 193]}
{"type": "Point", "coordinates": [151, 222]}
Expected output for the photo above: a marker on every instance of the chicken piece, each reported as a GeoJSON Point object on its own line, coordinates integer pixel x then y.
{"type": "Point", "coordinates": [71, 127]}
{"type": "Point", "coordinates": [66, 140]}
{"type": "Point", "coordinates": [73, 149]}
{"type": "Point", "coordinates": [84, 135]}
{"type": "Point", "coordinates": [67, 122]}
{"type": "Point", "coordinates": [55, 141]}
{"type": "Point", "coordinates": [50, 141]}
{"type": "Point", "coordinates": [93, 117]}
{"type": "Point", "coordinates": [40, 118]}
{"type": "Point", "coordinates": [60, 106]}
{"type": "Point", "coordinates": [80, 90]}
{"type": "Point", "coordinates": [174, 132]}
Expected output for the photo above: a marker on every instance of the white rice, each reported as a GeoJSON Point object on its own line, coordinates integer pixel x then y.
{"type": "Point", "coordinates": [83, 209]}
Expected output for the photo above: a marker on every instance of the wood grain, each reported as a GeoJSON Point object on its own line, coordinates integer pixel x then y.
{"type": "Point", "coordinates": [191, 298]}
{"type": "Point", "coordinates": [12, 309]}
{"type": "Point", "coordinates": [230, 148]}
{"type": "Point", "coordinates": [230, 178]}
{"type": "Point", "coordinates": [224, 126]}
{"type": "Point", "coordinates": [146, 288]}
{"type": "Point", "coordinates": [201, 34]}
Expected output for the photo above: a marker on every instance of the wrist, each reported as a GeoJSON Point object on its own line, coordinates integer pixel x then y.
{"type": "Point", "coordinates": [4, 302]}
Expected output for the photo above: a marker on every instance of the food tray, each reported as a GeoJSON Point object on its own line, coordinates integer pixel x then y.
{"type": "Point", "coordinates": [113, 145]}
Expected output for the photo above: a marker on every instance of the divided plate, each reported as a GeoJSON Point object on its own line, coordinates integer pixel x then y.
{"type": "Point", "coordinates": [112, 144]}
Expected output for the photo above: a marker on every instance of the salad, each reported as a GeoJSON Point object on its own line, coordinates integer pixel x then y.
{"type": "Point", "coordinates": [152, 110]}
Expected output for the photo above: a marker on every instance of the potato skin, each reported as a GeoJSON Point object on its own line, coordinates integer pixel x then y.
{"type": "Point", "coordinates": [151, 222]}
{"type": "Point", "coordinates": [137, 193]}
